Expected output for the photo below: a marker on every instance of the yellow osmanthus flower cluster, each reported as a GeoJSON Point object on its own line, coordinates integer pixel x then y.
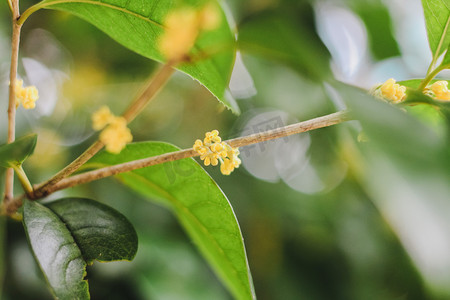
{"type": "Point", "coordinates": [183, 26]}
{"type": "Point", "coordinates": [392, 91]}
{"type": "Point", "coordinates": [440, 90]}
{"type": "Point", "coordinates": [212, 150]}
{"type": "Point", "coordinates": [115, 134]}
{"type": "Point", "coordinates": [26, 96]}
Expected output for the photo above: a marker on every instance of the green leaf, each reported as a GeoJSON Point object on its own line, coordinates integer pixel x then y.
{"type": "Point", "coordinates": [396, 131]}
{"type": "Point", "coordinates": [437, 19]}
{"type": "Point", "coordinates": [279, 35]}
{"type": "Point", "coordinates": [15, 153]}
{"type": "Point", "coordinates": [414, 83]}
{"type": "Point", "coordinates": [56, 252]}
{"type": "Point", "coordinates": [446, 60]}
{"type": "Point", "coordinates": [198, 203]}
{"type": "Point", "coordinates": [101, 232]}
{"type": "Point", "coordinates": [404, 168]}
{"type": "Point", "coordinates": [137, 25]}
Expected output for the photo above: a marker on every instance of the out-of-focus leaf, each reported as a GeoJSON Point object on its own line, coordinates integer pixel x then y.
{"type": "Point", "coordinates": [279, 35]}
{"type": "Point", "coordinates": [404, 167]}
{"type": "Point", "coordinates": [56, 252]}
{"type": "Point", "coordinates": [437, 19]}
{"type": "Point", "coordinates": [198, 203]}
{"type": "Point", "coordinates": [396, 131]}
{"type": "Point", "coordinates": [15, 153]}
{"type": "Point", "coordinates": [101, 232]}
{"type": "Point", "coordinates": [137, 25]}
{"type": "Point", "coordinates": [429, 115]}
{"type": "Point", "coordinates": [378, 23]}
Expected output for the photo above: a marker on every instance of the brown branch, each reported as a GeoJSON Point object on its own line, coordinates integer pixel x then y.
{"type": "Point", "coordinates": [9, 180]}
{"type": "Point", "coordinates": [151, 90]}
{"type": "Point", "coordinates": [312, 124]}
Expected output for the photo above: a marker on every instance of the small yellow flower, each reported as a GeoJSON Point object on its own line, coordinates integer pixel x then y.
{"type": "Point", "coordinates": [440, 90]}
{"type": "Point", "coordinates": [183, 27]}
{"type": "Point", "coordinates": [209, 17]}
{"type": "Point", "coordinates": [180, 35]}
{"type": "Point", "coordinates": [116, 134]}
{"type": "Point", "coordinates": [27, 96]}
{"type": "Point", "coordinates": [213, 150]}
{"type": "Point", "coordinates": [101, 118]}
{"type": "Point", "coordinates": [393, 91]}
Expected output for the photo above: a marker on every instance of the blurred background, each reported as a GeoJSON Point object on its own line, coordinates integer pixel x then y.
{"type": "Point", "coordinates": [316, 223]}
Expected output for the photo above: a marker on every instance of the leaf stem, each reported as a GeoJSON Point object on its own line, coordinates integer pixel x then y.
{"type": "Point", "coordinates": [438, 49]}
{"type": "Point", "coordinates": [152, 88]}
{"type": "Point", "coordinates": [9, 180]}
{"type": "Point", "coordinates": [431, 75]}
{"type": "Point", "coordinates": [28, 188]}
{"type": "Point", "coordinates": [312, 124]}
{"type": "Point", "coordinates": [10, 7]}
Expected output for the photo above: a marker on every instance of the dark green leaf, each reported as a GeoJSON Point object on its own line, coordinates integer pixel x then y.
{"type": "Point", "coordinates": [56, 252]}
{"type": "Point", "coordinates": [437, 19]}
{"type": "Point", "coordinates": [15, 153]}
{"type": "Point", "coordinates": [199, 204]}
{"type": "Point", "coordinates": [101, 232]}
{"type": "Point", "coordinates": [279, 35]}
{"type": "Point", "coordinates": [138, 25]}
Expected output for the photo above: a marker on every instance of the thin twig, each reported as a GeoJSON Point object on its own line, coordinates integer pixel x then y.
{"type": "Point", "coordinates": [312, 124]}
{"type": "Point", "coordinates": [9, 180]}
{"type": "Point", "coordinates": [41, 189]}
{"type": "Point", "coordinates": [151, 90]}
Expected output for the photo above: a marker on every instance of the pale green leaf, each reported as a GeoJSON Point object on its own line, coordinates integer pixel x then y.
{"type": "Point", "coordinates": [446, 60]}
{"type": "Point", "coordinates": [199, 204]}
{"type": "Point", "coordinates": [437, 19]}
{"type": "Point", "coordinates": [137, 25]}
{"type": "Point", "coordinates": [56, 252]}
{"type": "Point", "coordinates": [15, 153]}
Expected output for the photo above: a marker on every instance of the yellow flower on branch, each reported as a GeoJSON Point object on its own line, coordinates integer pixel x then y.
{"type": "Point", "coordinates": [27, 96]}
{"type": "Point", "coordinates": [101, 118]}
{"type": "Point", "coordinates": [183, 27]}
{"type": "Point", "coordinates": [116, 134]}
{"type": "Point", "coordinates": [392, 91]}
{"type": "Point", "coordinates": [212, 151]}
{"type": "Point", "coordinates": [440, 90]}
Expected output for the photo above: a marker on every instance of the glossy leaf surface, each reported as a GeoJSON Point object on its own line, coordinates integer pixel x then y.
{"type": "Point", "coordinates": [56, 252]}
{"type": "Point", "coordinates": [199, 204]}
{"type": "Point", "coordinates": [101, 232]}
